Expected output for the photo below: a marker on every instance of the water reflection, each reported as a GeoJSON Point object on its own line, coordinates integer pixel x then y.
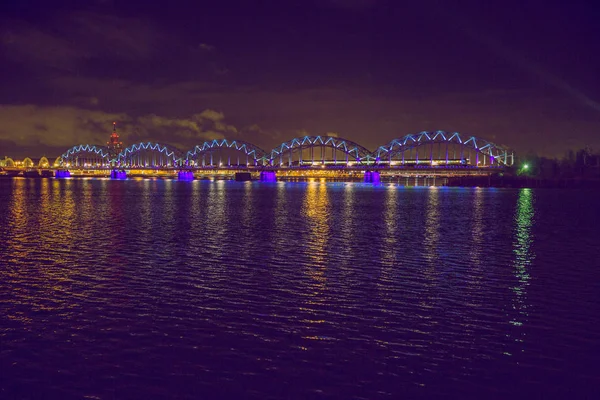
{"type": "Point", "coordinates": [389, 250]}
{"type": "Point", "coordinates": [37, 218]}
{"type": "Point", "coordinates": [66, 213]}
{"type": "Point", "coordinates": [18, 215]}
{"type": "Point", "coordinates": [522, 244]}
{"type": "Point", "coordinates": [195, 213]}
{"type": "Point", "coordinates": [347, 231]}
{"type": "Point", "coordinates": [248, 206]}
{"type": "Point", "coordinates": [316, 209]}
{"type": "Point", "coordinates": [216, 217]}
{"type": "Point", "coordinates": [432, 228]}
{"type": "Point", "coordinates": [390, 220]}
{"type": "Point", "coordinates": [169, 207]}
{"type": "Point", "coordinates": [477, 237]}
{"type": "Point", "coordinates": [281, 217]}
{"type": "Point", "coordinates": [45, 199]}
{"type": "Point", "coordinates": [348, 212]}
{"type": "Point", "coordinates": [117, 221]}
{"type": "Point", "coordinates": [16, 230]}
{"type": "Point", "coordinates": [431, 254]}
{"type": "Point", "coordinates": [217, 313]}
{"type": "Point", "coordinates": [145, 209]}
{"type": "Point", "coordinates": [182, 205]}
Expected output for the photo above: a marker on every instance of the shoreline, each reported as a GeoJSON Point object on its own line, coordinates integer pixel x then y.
{"type": "Point", "coordinates": [465, 181]}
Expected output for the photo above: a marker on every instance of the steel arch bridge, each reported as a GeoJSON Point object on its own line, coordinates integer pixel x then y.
{"type": "Point", "coordinates": [85, 155]}
{"type": "Point", "coordinates": [285, 152]}
{"type": "Point", "coordinates": [205, 154]}
{"type": "Point", "coordinates": [149, 155]}
{"type": "Point", "coordinates": [437, 149]}
{"type": "Point", "coordinates": [452, 148]}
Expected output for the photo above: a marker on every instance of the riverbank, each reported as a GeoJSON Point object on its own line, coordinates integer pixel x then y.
{"type": "Point", "coordinates": [506, 181]}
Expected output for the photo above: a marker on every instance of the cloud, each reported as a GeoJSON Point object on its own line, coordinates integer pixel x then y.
{"type": "Point", "coordinates": [71, 45]}
{"type": "Point", "coordinates": [184, 132]}
{"type": "Point", "coordinates": [265, 139]}
{"type": "Point", "coordinates": [127, 38]}
{"type": "Point", "coordinates": [56, 129]}
{"type": "Point", "coordinates": [206, 47]}
{"type": "Point", "coordinates": [186, 113]}
{"type": "Point", "coordinates": [518, 59]}
{"type": "Point", "coordinates": [26, 44]}
{"type": "Point", "coordinates": [211, 115]}
{"type": "Point", "coordinates": [54, 126]}
{"type": "Point", "coordinates": [121, 93]}
{"type": "Point", "coordinates": [68, 41]}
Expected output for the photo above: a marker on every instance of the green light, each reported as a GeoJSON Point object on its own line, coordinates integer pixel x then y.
{"type": "Point", "coordinates": [525, 166]}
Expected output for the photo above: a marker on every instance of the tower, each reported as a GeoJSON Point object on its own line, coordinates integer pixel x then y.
{"type": "Point", "coordinates": [114, 146]}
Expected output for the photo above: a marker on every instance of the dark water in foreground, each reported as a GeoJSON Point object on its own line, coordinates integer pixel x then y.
{"type": "Point", "coordinates": [167, 289]}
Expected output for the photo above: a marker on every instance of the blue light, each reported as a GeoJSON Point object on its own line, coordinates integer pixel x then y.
{"type": "Point", "coordinates": [185, 175]}
{"type": "Point", "coordinates": [268, 176]}
{"type": "Point", "coordinates": [118, 174]}
{"type": "Point", "coordinates": [62, 174]}
{"type": "Point", "coordinates": [372, 177]}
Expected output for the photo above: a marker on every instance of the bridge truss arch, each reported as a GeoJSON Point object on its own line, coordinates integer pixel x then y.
{"type": "Point", "coordinates": [7, 162]}
{"type": "Point", "coordinates": [149, 155]}
{"type": "Point", "coordinates": [44, 163]}
{"type": "Point", "coordinates": [331, 150]}
{"type": "Point", "coordinates": [220, 152]}
{"type": "Point", "coordinates": [84, 155]}
{"type": "Point", "coordinates": [442, 148]}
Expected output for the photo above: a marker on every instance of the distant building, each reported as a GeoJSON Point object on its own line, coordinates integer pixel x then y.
{"type": "Point", "coordinates": [114, 145]}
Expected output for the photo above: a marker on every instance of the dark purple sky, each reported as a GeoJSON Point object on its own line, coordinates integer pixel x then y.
{"type": "Point", "coordinates": [523, 75]}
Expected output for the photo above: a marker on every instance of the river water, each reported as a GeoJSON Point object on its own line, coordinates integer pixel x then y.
{"type": "Point", "coordinates": [144, 289]}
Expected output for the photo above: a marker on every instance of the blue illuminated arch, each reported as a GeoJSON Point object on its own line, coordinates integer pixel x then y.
{"type": "Point", "coordinates": [84, 151]}
{"type": "Point", "coordinates": [497, 154]}
{"type": "Point", "coordinates": [147, 153]}
{"type": "Point", "coordinates": [253, 152]}
{"type": "Point", "coordinates": [356, 152]}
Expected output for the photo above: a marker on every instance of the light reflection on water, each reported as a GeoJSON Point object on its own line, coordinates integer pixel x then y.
{"type": "Point", "coordinates": [477, 233]}
{"type": "Point", "coordinates": [523, 261]}
{"type": "Point", "coordinates": [389, 252]}
{"type": "Point", "coordinates": [315, 208]}
{"type": "Point", "coordinates": [432, 226]}
{"type": "Point", "coordinates": [288, 289]}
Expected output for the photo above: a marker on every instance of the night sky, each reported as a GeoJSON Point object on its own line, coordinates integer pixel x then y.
{"type": "Point", "coordinates": [526, 76]}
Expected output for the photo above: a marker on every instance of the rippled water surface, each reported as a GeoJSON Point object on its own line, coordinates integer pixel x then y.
{"type": "Point", "coordinates": [165, 289]}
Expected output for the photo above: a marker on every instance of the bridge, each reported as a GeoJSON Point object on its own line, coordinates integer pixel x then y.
{"type": "Point", "coordinates": [434, 153]}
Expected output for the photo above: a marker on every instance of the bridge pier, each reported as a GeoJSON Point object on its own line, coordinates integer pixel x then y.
{"type": "Point", "coordinates": [372, 177]}
{"type": "Point", "coordinates": [185, 175]}
{"type": "Point", "coordinates": [268, 176]}
{"type": "Point", "coordinates": [243, 176]}
{"type": "Point", "coordinates": [62, 173]}
{"type": "Point", "coordinates": [118, 174]}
